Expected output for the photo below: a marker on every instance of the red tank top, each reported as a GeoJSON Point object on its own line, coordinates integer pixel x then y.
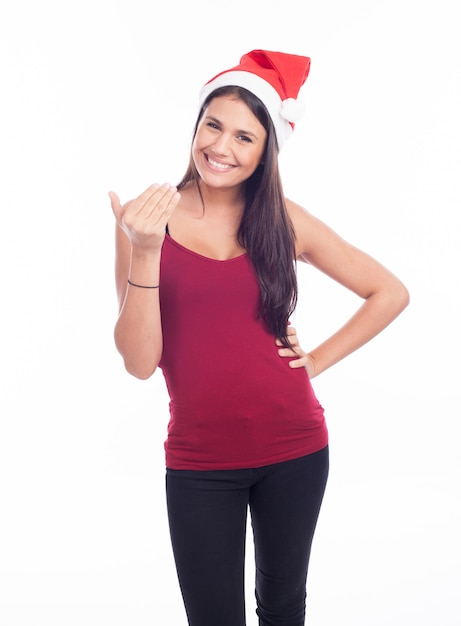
{"type": "Point", "coordinates": [234, 402]}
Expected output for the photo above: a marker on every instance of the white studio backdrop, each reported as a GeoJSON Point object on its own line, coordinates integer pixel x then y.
{"type": "Point", "coordinates": [102, 95]}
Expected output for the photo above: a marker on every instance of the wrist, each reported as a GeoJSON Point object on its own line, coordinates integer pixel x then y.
{"type": "Point", "coordinates": [133, 284]}
{"type": "Point", "coordinates": [310, 366]}
{"type": "Point", "coordinates": [144, 267]}
{"type": "Point", "coordinates": [145, 255]}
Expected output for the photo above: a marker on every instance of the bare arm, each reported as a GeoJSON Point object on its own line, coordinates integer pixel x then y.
{"type": "Point", "coordinates": [140, 232]}
{"type": "Point", "coordinates": [384, 296]}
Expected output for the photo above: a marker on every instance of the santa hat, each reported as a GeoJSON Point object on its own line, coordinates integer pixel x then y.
{"type": "Point", "coordinates": [275, 78]}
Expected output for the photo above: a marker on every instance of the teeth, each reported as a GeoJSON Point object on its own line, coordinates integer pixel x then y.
{"type": "Point", "coordinates": [221, 166]}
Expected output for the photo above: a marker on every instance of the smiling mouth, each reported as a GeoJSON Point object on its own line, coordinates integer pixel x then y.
{"type": "Point", "coordinates": [220, 166]}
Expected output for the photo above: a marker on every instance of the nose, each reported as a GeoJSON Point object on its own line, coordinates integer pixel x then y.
{"type": "Point", "coordinates": [221, 146]}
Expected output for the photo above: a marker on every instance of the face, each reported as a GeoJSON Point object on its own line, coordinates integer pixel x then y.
{"type": "Point", "coordinates": [229, 143]}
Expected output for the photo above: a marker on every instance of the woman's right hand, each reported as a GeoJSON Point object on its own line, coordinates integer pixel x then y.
{"type": "Point", "coordinates": [145, 218]}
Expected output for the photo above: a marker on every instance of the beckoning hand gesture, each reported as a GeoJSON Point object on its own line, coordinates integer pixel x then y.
{"type": "Point", "coordinates": [145, 218]}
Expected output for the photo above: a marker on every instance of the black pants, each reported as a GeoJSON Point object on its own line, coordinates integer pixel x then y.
{"type": "Point", "coordinates": [207, 513]}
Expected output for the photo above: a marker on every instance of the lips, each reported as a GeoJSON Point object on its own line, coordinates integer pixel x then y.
{"type": "Point", "coordinates": [217, 165]}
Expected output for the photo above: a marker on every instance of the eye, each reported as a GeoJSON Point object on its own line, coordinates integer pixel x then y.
{"type": "Point", "coordinates": [244, 138]}
{"type": "Point", "coordinates": [213, 125]}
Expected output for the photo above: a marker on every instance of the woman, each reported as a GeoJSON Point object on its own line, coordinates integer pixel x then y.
{"type": "Point", "coordinates": [206, 281]}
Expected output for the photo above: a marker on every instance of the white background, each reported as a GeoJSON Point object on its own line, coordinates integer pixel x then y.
{"type": "Point", "coordinates": [102, 95]}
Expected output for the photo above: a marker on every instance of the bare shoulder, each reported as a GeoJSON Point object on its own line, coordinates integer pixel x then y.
{"type": "Point", "coordinates": [310, 232]}
{"type": "Point", "coordinates": [322, 247]}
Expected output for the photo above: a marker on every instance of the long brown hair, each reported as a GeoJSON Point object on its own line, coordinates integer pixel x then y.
{"type": "Point", "coordinates": [266, 231]}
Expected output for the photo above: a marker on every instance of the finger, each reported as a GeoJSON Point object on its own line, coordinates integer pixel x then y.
{"type": "Point", "coordinates": [175, 198]}
{"type": "Point", "coordinates": [145, 200]}
{"type": "Point", "coordinates": [164, 207]}
{"type": "Point", "coordinates": [288, 352]}
{"type": "Point", "coordinates": [116, 205]}
{"type": "Point", "coordinates": [297, 363]}
{"type": "Point", "coordinates": [156, 201]}
{"type": "Point", "coordinates": [290, 332]}
{"type": "Point", "coordinates": [293, 344]}
{"type": "Point", "coordinates": [155, 222]}
{"type": "Point", "coordinates": [307, 362]}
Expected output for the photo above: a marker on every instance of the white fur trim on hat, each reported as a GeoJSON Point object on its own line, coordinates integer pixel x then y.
{"type": "Point", "coordinates": [260, 88]}
{"type": "Point", "coordinates": [292, 110]}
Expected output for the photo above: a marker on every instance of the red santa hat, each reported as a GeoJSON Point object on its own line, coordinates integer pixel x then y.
{"type": "Point", "coordinates": [275, 78]}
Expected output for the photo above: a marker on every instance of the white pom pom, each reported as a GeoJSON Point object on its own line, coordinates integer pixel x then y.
{"type": "Point", "coordinates": [292, 110]}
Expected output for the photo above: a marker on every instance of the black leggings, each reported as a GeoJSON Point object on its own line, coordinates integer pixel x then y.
{"type": "Point", "coordinates": [207, 513]}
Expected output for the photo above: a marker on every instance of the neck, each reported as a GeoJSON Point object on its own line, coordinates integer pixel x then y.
{"type": "Point", "coordinates": [223, 200]}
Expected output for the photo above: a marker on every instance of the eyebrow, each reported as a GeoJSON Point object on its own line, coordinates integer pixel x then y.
{"type": "Point", "coordinates": [240, 132]}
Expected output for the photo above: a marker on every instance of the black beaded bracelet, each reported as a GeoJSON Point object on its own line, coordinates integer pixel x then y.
{"type": "Point", "coordinates": [143, 286]}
